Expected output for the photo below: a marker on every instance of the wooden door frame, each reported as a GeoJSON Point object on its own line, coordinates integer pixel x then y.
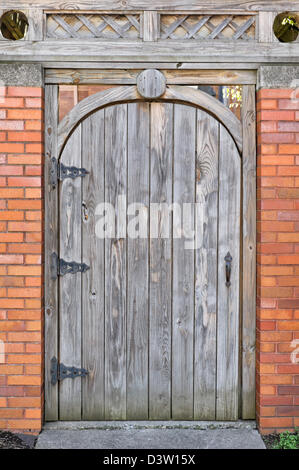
{"type": "Point", "coordinates": [248, 229]}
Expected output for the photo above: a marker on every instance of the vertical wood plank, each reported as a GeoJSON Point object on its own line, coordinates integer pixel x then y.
{"type": "Point", "coordinates": [151, 25]}
{"type": "Point", "coordinates": [249, 253]}
{"type": "Point", "coordinates": [206, 267]}
{"type": "Point", "coordinates": [183, 267]}
{"type": "Point", "coordinates": [115, 256]}
{"type": "Point", "coordinates": [160, 262]}
{"type": "Point", "coordinates": [93, 291]}
{"type": "Point", "coordinates": [228, 297]}
{"type": "Point", "coordinates": [137, 290]}
{"type": "Point", "coordinates": [265, 26]}
{"type": "Point", "coordinates": [36, 25]}
{"type": "Point", "coordinates": [51, 245]}
{"type": "Point", "coordinates": [70, 284]}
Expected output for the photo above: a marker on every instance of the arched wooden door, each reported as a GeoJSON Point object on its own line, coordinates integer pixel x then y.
{"type": "Point", "coordinates": [153, 320]}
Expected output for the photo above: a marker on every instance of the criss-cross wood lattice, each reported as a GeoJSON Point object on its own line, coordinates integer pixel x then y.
{"type": "Point", "coordinates": [208, 27]}
{"type": "Point", "coordinates": [80, 26]}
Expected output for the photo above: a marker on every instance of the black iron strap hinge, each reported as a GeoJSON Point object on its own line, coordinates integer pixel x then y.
{"type": "Point", "coordinates": [60, 172]}
{"type": "Point", "coordinates": [60, 372]}
{"type": "Point", "coordinates": [60, 267]}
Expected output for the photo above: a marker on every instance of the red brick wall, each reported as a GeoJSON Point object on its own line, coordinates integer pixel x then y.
{"type": "Point", "coordinates": [21, 136]}
{"type": "Point", "coordinates": [278, 260]}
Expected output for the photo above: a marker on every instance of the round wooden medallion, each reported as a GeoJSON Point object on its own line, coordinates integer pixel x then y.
{"type": "Point", "coordinates": [151, 83]}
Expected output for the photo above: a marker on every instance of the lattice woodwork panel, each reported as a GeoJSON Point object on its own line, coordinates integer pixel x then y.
{"type": "Point", "coordinates": [86, 26]}
{"type": "Point", "coordinates": [233, 27]}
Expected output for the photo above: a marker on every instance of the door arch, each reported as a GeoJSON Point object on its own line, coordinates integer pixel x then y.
{"type": "Point", "coordinates": [126, 94]}
{"type": "Point", "coordinates": [214, 379]}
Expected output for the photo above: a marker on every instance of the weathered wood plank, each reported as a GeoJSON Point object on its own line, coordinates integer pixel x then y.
{"type": "Point", "coordinates": [171, 5]}
{"type": "Point", "coordinates": [138, 281]}
{"type": "Point", "coordinates": [209, 51]}
{"type": "Point", "coordinates": [36, 25]}
{"type": "Point", "coordinates": [90, 104]}
{"type": "Point", "coordinates": [128, 77]}
{"type": "Point", "coordinates": [160, 262]}
{"type": "Point", "coordinates": [209, 104]}
{"type": "Point", "coordinates": [206, 267]}
{"type": "Point", "coordinates": [228, 297]}
{"type": "Point", "coordinates": [70, 344]}
{"type": "Point", "coordinates": [249, 253]}
{"type": "Point", "coordinates": [93, 287]}
{"type": "Point", "coordinates": [151, 26]}
{"type": "Point", "coordinates": [79, 65]}
{"type": "Point", "coordinates": [116, 119]}
{"type": "Point", "coordinates": [183, 266]}
{"type": "Point", "coordinates": [265, 27]}
{"type": "Point", "coordinates": [51, 246]}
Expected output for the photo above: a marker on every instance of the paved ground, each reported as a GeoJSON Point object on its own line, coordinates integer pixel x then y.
{"type": "Point", "coordinates": [145, 435]}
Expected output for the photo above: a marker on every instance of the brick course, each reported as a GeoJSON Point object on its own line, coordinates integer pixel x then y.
{"type": "Point", "coordinates": [278, 261]}
{"type": "Point", "coordinates": [21, 248]}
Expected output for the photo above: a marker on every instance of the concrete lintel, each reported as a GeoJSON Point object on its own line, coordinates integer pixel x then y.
{"type": "Point", "coordinates": [278, 76]}
{"type": "Point", "coordinates": [27, 75]}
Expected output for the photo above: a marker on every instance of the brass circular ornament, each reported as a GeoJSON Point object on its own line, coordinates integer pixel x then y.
{"type": "Point", "coordinates": [285, 26]}
{"type": "Point", "coordinates": [14, 25]}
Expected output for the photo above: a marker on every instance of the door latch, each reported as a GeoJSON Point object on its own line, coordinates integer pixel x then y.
{"type": "Point", "coordinates": [60, 267]}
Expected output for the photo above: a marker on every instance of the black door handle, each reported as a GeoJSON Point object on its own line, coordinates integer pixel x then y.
{"type": "Point", "coordinates": [228, 268]}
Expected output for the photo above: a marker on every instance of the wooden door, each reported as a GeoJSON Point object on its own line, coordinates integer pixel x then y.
{"type": "Point", "coordinates": [154, 320]}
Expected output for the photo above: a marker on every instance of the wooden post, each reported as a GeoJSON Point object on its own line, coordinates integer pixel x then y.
{"type": "Point", "coordinates": [35, 30]}
{"type": "Point", "coordinates": [265, 26]}
{"type": "Point", "coordinates": [151, 26]}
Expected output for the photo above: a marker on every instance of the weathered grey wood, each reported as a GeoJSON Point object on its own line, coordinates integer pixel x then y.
{"type": "Point", "coordinates": [151, 26]}
{"type": "Point", "coordinates": [265, 26]}
{"type": "Point", "coordinates": [249, 253]}
{"type": "Point", "coordinates": [116, 119]}
{"type": "Point", "coordinates": [241, 31]}
{"type": "Point", "coordinates": [170, 5]}
{"type": "Point", "coordinates": [36, 25]}
{"type": "Point", "coordinates": [51, 245]}
{"type": "Point", "coordinates": [90, 104]}
{"type": "Point", "coordinates": [124, 50]}
{"type": "Point", "coordinates": [93, 287]}
{"type": "Point", "coordinates": [76, 77]}
{"type": "Point", "coordinates": [79, 65]}
{"type": "Point", "coordinates": [70, 344]}
{"type": "Point", "coordinates": [183, 267]}
{"type": "Point", "coordinates": [220, 27]}
{"type": "Point", "coordinates": [209, 104]}
{"type": "Point", "coordinates": [151, 84]}
{"type": "Point", "coordinates": [228, 297]}
{"type": "Point", "coordinates": [167, 33]}
{"type": "Point", "coordinates": [206, 267]}
{"type": "Point", "coordinates": [126, 94]}
{"type": "Point", "coordinates": [129, 77]}
{"type": "Point", "coordinates": [138, 280]}
{"type": "Point", "coordinates": [160, 263]}
{"type": "Point", "coordinates": [149, 362]}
